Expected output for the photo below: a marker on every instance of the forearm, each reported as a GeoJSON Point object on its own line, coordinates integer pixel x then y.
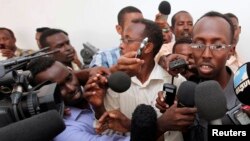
{"type": "Point", "coordinates": [160, 127]}
{"type": "Point", "coordinates": [82, 76]}
{"type": "Point", "coordinates": [99, 111]}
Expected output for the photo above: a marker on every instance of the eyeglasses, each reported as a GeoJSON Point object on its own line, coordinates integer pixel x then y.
{"type": "Point", "coordinates": [214, 47]}
{"type": "Point", "coordinates": [165, 30]}
{"type": "Point", "coordinates": [129, 41]}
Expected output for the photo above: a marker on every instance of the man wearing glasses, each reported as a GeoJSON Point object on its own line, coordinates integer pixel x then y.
{"type": "Point", "coordinates": [212, 46]}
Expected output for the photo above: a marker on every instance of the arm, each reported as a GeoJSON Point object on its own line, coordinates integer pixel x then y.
{"type": "Point", "coordinates": [175, 118]}
{"type": "Point", "coordinates": [83, 75]}
{"type": "Point", "coordinates": [114, 120]}
{"type": "Point", "coordinates": [78, 131]}
{"type": "Point", "coordinates": [94, 92]}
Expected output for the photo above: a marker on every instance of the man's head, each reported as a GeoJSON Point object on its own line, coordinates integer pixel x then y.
{"type": "Point", "coordinates": [39, 32]}
{"type": "Point", "coordinates": [182, 46]}
{"type": "Point", "coordinates": [134, 35]}
{"type": "Point", "coordinates": [125, 16]}
{"type": "Point", "coordinates": [47, 69]}
{"type": "Point", "coordinates": [7, 39]}
{"type": "Point", "coordinates": [237, 27]}
{"type": "Point", "coordinates": [58, 39]}
{"type": "Point", "coordinates": [212, 45]}
{"type": "Point", "coordinates": [182, 24]}
{"type": "Point", "coordinates": [166, 30]}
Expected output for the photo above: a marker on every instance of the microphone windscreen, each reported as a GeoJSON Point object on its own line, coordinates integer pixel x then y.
{"type": "Point", "coordinates": [164, 8]}
{"type": "Point", "coordinates": [119, 82]}
{"type": "Point", "coordinates": [144, 123]}
{"type": "Point", "coordinates": [242, 83]}
{"type": "Point", "coordinates": [185, 94]}
{"type": "Point", "coordinates": [210, 100]}
{"type": "Point", "coordinates": [41, 127]}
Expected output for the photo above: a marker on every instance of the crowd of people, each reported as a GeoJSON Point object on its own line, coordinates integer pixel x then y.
{"type": "Point", "coordinates": [94, 112]}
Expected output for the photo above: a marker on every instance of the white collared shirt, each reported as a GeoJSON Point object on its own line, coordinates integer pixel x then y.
{"type": "Point", "coordinates": [145, 93]}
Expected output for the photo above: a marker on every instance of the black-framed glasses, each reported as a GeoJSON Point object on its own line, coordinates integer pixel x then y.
{"type": "Point", "coordinates": [129, 41]}
{"type": "Point", "coordinates": [215, 47]}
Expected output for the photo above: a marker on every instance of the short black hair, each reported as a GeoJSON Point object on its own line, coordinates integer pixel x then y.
{"type": "Point", "coordinates": [231, 15]}
{"type": "Point", "coordinates": [47, 33]}
{"type": "Point", "coordinates": [40, 64]}
{"type": "Point", "coordinates": [126, 10]}
{"type": "Point", "coordinates": [153, 32]}
{"type": "Point", "coordinates": [218, 14]}
{"type": "Point", "coordinates": [10, 31]}
{"type": "Point", "coordinates": [173, 19]}
{"type": "Point", "coordinates": [184, 40]}
{"type": "Point", "coordinates": [42, 29]}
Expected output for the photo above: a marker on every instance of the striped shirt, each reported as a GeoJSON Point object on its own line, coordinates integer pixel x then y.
{"type": "Point", "coordinates": [105, 58]}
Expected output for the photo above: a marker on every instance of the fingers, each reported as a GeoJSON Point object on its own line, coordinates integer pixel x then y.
{"type": "Point", "coordinates": [160, 103]}
{"type": "Point", "coordinates": [104, 117]}
{"type": "Point", "coordinates": [67, 111]}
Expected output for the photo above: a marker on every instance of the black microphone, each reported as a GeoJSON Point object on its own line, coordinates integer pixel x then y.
{"type": "Point", "coordinates": [41, 127]}
{"type": "Point", "coordinates": [185, 94]}
{"type": "Point", "coordinates": [22, 59]}
{"type": "Point", "coordinates": [144, 124]}
{"type": "Point", "coordinates": [164, 8]}
{"type": "Point", "coordinates": [242, 83]}
{"type": "Point", "coordinates": [119, 82]}
{"type": "Point", "coordinates": [210, 101]}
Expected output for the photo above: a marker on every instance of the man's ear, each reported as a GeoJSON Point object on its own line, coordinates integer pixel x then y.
{"type": "Point", "coordinates": [119, 29]}
{"type": "Point", "coordinates": [149, 47]}
{"type": "Point", "coordinates": [231, 51]}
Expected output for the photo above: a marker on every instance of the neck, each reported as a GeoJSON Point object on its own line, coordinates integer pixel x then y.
{"type": "Point", "coordinates": [146, 70]}
{"type": "Point", "coordinates": [223, 78]}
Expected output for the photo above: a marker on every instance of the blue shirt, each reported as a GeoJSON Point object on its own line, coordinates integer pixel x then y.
{"type": "Point", "coordinates": [79, 127]}
{"type": "Point", "coordinates": [106, 58]}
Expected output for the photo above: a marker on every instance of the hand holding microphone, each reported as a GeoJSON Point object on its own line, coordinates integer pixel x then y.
{"type": "Point", "coordinates": [164, 9]}
{"type": "Point", "coordinates": [94, 90]}
{"type": "Point", "coordinates": [185, 96]}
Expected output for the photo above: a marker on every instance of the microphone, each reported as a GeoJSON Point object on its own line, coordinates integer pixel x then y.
{"type": "Point", "coordinates": [41, 127]}
{"type": "Point", "coordinates": [119, 82]}
{"type": "Point", "coordinates": [210, 101]}
{"type": "Point", "coordinates": [143, 123]}
{"type": "Point", "coordinates": [242, 82]}
{"type": "Point", "coordinates": [185, 94]}
{"type": "Point", "coordinates": [164, 8]}
{"type": "Point", "coordinates": [22, 59]}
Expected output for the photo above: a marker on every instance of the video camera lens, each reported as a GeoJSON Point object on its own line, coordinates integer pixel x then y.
{"type": "Point", "coordinates": [30, 103]}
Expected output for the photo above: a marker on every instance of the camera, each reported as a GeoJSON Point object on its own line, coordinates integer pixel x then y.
{"type": "Point", "coordinates": [18, 100]}
{"type": "Point", "coordinates": [169, 92]}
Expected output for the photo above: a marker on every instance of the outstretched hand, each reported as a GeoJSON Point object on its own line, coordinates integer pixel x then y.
{"type": "Point", "coordinates": [114, 120]}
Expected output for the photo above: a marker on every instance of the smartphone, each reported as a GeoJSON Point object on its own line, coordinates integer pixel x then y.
{"type": "Point", "coordinates": [169, 93]}
{"type": "Point", "coordinates": [142, 45]}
